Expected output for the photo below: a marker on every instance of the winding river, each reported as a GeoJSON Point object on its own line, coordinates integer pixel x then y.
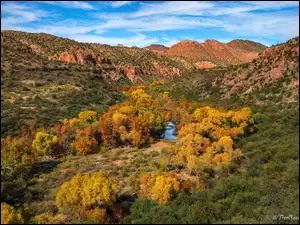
{"type": "Point", "coordinates": [170, 130]}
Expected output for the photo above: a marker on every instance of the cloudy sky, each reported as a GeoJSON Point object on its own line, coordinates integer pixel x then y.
{"type": "Point", "coordinates": [144, 23]}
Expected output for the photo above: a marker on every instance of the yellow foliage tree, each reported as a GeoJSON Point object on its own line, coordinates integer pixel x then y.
{"type": "Point", "coordinates": [164, 189]}
{"type": "Point", "coordinates": [146, 183]}
{"type": "Point", "coordinates": [87, 117]}
{"type": "Point", "coordinates": [16, 150]}
{"type": "Point", "coordinates": [44, 142]}
{"type": "Point", "coordinates": [9, 215]}
{"type": "Point", "coordinates": [119, 119]}
{"type": "Point", "coordinates": [207, 137]}
{"type": "Point", "coordinates": [83, 192]}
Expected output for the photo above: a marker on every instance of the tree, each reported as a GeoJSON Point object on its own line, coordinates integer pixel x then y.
{"type": "Point", "coordinates": [135, 137]}
{"type": "Point", "coordinates": [87, 117]}
{"type": "Point", "coordinates": [16, 150]}
{"type": "Point", "coordinates": [85, 142]}
{"type": "Point", "coordinates": [85, 192]}
{"type": "Point", "coordinates": [44, 142]}
{"type": "Point", "coordinates": [146, 183]}
{"type": "Point", "coordinates": [97, 216]}
{"type": "Point", "coordinates": [165, 189]}
{"type": "Point", "coordinates": [9, 215]}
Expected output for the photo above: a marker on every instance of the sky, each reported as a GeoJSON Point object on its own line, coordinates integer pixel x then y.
{"type": "Point", "coordinates": [138, 23]}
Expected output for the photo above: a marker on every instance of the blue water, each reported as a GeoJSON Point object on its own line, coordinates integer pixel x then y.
{"type": "Point", "coordinates": [170, 130]}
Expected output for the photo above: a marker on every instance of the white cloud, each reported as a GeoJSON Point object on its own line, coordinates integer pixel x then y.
{"type": "Point", "coordinates": [116, 4]}
{"type": "Point", "coordinates": [71, 4]}
{"type": "Point", "coordinates": [169, 42]}
{"type": "Point", "coordinates": [238, 8]}
{"type": "Point", "coordinates": [19, 14]}
{"type": "Point", "coordinates": [160, 23]}
{"type": "Point", "coordinates": [139, 40]}
{"type": "Point", "coordinates": [264, 24]}
{"type": "Point", "coordinates": [199, 8]}
{"type": "Point", "coordinates": [273, 4]}
{"type": "Point", "coordinates": [238, 18]}
{"type": "Point", "coordinates": [174, 8]}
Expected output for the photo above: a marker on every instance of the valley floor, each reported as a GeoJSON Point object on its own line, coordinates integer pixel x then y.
{"type": "Point", "coordinates": [123, 164]}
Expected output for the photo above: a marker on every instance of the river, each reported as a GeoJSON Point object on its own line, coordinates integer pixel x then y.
{"type": "Point", "coordinates": [170, 130]}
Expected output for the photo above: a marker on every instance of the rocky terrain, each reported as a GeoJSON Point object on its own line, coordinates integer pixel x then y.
{"type": "Point", "coordinates": [247, 45]}
{"type": "Point", "coordinates": [44, 77]}
{"type": "Point", "coordinates": [273, 75]}
{"type": "Point", "coordinates": [276, 64]}
{"type": "Point", "coordinates": [83, 132]}
{"type": "Point", "coordinates": [134, 63]}
{"type": "Point", "coordinates": [212, 53]}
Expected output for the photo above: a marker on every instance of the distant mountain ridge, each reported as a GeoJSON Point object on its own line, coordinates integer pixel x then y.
{"type": "Point", "coordinates": [157, 48]}
{"type": "Point", "coordinates": [136, 64]}
{"type": "Point", "coordinates": [273, 75]}
{"type": "Point", "coordinates": [233, 53]}
{"type": "Point", "coordinates": [247, 45]}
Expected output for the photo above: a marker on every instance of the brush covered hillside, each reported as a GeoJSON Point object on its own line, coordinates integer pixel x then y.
{"type": "Point", "coordinates": [235, 158]}
{"type": "Point", "coordinates": [272, 76]}
{"type": "Point", "coordinates": [44, 77]}
{"type": "Point", "coordinates": [212, 53]}
{"type": "Point", "coordinates": [247, 45]}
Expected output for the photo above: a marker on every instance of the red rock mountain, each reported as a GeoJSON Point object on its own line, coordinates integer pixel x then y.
{"type": "Point", "coordinates": [272, 76]}
{"type": "Point", "coordinates": [276, 64]}
{"type": "Point", "coordinates": [157, 48]}
{"type": "Point", "coordinates": [247, 45]}
{"type": "Point", "coordinates": [135, 64]}
{"type": "Point", "coordinates": [234, 53]}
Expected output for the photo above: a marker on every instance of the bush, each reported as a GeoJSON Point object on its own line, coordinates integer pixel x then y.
{"type": "Point", "coordinates": [85, 192]}
{"type": "Point", "coordinates": [9, 215]}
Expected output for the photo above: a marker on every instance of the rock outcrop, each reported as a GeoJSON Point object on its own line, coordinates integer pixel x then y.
{"type": "Point", "coordinates": [205, 65]}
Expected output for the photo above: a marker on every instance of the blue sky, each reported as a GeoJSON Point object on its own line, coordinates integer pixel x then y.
{"type": "Point", "coordinates": [144, 23]}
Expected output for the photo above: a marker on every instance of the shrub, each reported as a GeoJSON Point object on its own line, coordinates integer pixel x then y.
{"type": "Point", "coordinates": [44, 142]}
{"type": "Point", "coordinates": [9, 215]}
{"type": "Point", "coordinates": [85, 192]}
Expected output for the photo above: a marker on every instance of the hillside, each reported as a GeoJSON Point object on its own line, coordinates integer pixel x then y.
{"type": "Point", "coordinates": [94, 148]}
{"type": "Point", "coordinates": [273, 75]}
{"type": "Point", "coordinates": [44, 77]}
{"type": "Point", "coordinates": [215, 52]}
{"type": "Point", "coordinates": [247, 45]}
{"type": "Point", "coordinates": [139, 63]}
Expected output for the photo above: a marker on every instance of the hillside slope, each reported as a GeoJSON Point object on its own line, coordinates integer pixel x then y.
{"type": "Point", "coordinates": [247, 45]}
{"type": "Point", "coordinates": [44, 77]}
{"type": "Point", "coordinates": [274, 75]}
{"type": "Point", "coordinates": [141, 64]}
{"type": "Point", "coordinates": [212, 51]}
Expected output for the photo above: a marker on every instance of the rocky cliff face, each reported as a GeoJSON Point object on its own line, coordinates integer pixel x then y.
{"type": "Point", "coordinates": [205, 65]}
